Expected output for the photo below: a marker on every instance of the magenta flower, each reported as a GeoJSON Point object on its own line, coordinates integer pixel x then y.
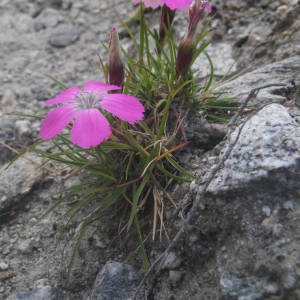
{"type": "Point", "coordinates": [173, 4]}
{"type": "Point", "coordinates": [90, 127]}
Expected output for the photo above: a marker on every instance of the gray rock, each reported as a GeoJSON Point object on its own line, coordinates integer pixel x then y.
{"type": "Point", "coordinates": [44, 293]}
{"type": "Point", "coordinates": [8, 102]}
{"type": "Point", "coordinates": [18, 180]}
{"type": "Point", "coordinates": [3, 266]}
{"type": "Point", "coordinates": [116, 281]}
{"type": "Point", "coordinates": [269, 144]}
{"type": "Point", "coordinates": [201, 133]}
{"type": "Point", "coordinates": [279, 72]}
{"type": "Point", "coordinates": [23, 128]}
{"type": "Point", "coordinates": [25, 246]}
{"type": "Point", "coordinates": [224, 64]}
{"type": "Point", "coordinates": [64, 35]}
{"type": "Point", "coordinates": [175, 277]}
{"type": "Point", "coordinates": [247, 288]}
{"type": "Point", "coordinates": [172, 261]}
{"type": "Point", "coordinates": [49, 17]}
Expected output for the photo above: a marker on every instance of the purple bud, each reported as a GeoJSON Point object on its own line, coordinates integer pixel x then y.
{"type": "Point", "coordinates": [196, 12]}
{"type": "Point", "coordinates": [184, 55]}
{"type": "Point", "coordinates": [166, 20]}
{"type": "Point", "coordinates": [115, 67]}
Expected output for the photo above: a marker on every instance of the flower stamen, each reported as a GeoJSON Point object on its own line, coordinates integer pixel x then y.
{"type": "Point", "coordinates": [87, 100]}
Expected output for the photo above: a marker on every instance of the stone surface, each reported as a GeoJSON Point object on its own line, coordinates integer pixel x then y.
{"type": "Point", "coordinates": [44, 293]}
{"type": "Point", "coordinates": [282, 72]}
{"type": "Point", "coordinates": [250, 288]}
{"type": "Point", "coordinates": [63, 36]}
{"type": "Point", "coordinates": [116, 281]}
{"type": "Point", "coordinates": [221, 55]}
{"type": "Point", "coordinates": [49, 17]}
{"type": "Point", "coordinates": [18, 180]}
{"type": "Point", "coordinates": [269, 145]}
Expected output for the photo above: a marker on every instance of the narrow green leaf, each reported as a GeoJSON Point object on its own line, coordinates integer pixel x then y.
{"type": "Point", "coordinates": [135, 200]}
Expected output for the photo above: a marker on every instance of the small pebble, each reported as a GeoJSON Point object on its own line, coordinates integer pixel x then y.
{"type": "Point", "coordinates": [289, 205]}
{"type": "Point", "coordinates": [267, 211]}
{"type": "Point", "coordinates": [172, 261]}
{"type": "Point", "coordinates": [271, 289]}
{"type": "Point", "coordinates": [175, 278]}
{"type": "Point", "coordinates": [289, 281]}
{"type": "Point", "coordinates": [63, 36]}
{"type": "Point", "coordinates": [277, 230]}
{"type": "Point", "coordinates": [281, 10]}
{"type": "Point", "coordinates": [25, 246]}
{"type": "Point", "coordinates": [3, 266]}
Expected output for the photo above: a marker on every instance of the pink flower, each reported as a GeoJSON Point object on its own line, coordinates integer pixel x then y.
{"type": "Point", "coordinates": [173, 4]}
{"type": "Point", "coordinates": [90, 127]}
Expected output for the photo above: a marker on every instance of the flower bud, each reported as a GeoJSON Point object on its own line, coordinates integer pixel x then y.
{"type": "Point", "coordinates": [185, 55]}
{"type": "Point", "coordinates": [196, 12]}
{"type": "Point", "coordinates": [115, 67]}
{"type": "Point", "coordinates": [186, 47]}
{"type": "Point", "coordinates": [166, 20]}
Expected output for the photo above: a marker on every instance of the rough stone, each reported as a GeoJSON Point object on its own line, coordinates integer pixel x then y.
{"type": "Point", "coordinates": [175, 278]}
{"type": "Point", "coordinates": [64, 35]}
{"type": "Point", "coordinates": [25, 246]}
{"type": "Point", "coordinates": [172, 261]}
{"type": "Point", "coordinates": [269, 145]}
{"type": "Point", "coordinates": [282, 72]}
{"type": "Point", "coordinates": [8, 102]}
{"type": "Point", "coordinates": [248, 288]}
{"type": "Point", "coordinates": [44, 293]}
{"type": "Point", "coordinates": [223, 61]}
{"type": "Point", "coordinates": [18, 180]}
{"type": "Point", "coordinates": [3, 266]}
{"type": "Point", "coordinates": [116, 281]}
{"type": "Point", "coordinates": [49, 17]}
{"type": "Point", "coordinates": [23, 128]}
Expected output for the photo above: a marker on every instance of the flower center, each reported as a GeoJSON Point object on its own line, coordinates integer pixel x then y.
{"type": "Point", "coordinates": [87, 100]}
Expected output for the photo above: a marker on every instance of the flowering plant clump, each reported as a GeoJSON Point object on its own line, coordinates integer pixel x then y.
{"type": "Point", "coordinates": [123, 133]}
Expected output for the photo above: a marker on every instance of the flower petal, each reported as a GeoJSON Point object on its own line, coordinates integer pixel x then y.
{"type": "Point", "coordinates": [56, 120]}
{"type": "Point", "coordinates": [127, 108]}
{"type": "Point", "coordinates": [66, 95]}
{"type": "Point", "coordinates": [178, 4]}
{"type": "Point", "coordinates": [90, 128]}
{"type": "Point", "coordinates": [99, 87]}
{"type": "Point", "coordinates": [150, 3]}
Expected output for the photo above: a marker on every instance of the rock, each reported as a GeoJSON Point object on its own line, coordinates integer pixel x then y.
{"type": "Point", "coordinates": [116, 281]}
{"type": "Point", "coordinates": [175, 278]}
{"type": "Point", "coordinates": [224, 64]}
{"type": "Point", "coordinates": [279, 72]}
{"type": "Point", "coordinates": [8, 102]}
{"type": "Point", "coordinates": [23, 128]}
{"type": "Point", "coordinates": [271, 289]}
{"type": "Point", "coordinates": [248, 288]}
{"type": "Point", "coordinates": [201, 133]}
{"type": "Point", "coordinates": [267, 149]}
{"type": "Point", "coordinates": [64, 35]}
{"type": "Point", "coordinates": [172, 261]}
{"type": "Point", "coordinates": [25, 246]}
{"type": "Point", "coordinates": [282, 9]}
{"type": "Point", "coordinates": [3, 266]}
{"type": "Point", "coordinates": [49, 17]}
{"type": "Point", "coordinates": [18, 180]}
{"type": "Point", "coordinates": [44, 293]}
{"type": "Point", "coordinates": [289, 205]}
